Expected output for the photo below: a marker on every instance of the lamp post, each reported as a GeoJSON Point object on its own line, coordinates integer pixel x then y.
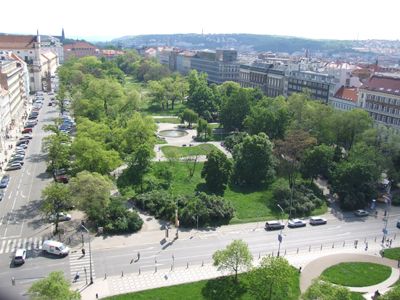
{"type": "Point", "coordinates": [280, 233]}
{"type": "Point", "coordinates": [388, 200]}
{"type": "Point", "coordinates": [90, 255]}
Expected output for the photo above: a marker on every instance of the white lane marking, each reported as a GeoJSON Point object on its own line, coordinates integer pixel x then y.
{"type": "Point", "coordinates": [30, 242]}
{"type": "Point", "coordinates": [2, 246]}
{"type": "Point", "coordinates": [10, 245]}
{"type": "Point", "coordinates": [9, 196]}
{"type": "Point", "coordinates": [24, 243]}
{"type": "Point", "coordinates": [28, 173]}
{"type": "Point", "coordinates": [22, 227]}
{"type": "Point", "coordinates": [22, 195]}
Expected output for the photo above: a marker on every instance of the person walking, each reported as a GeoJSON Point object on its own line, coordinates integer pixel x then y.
{"type": "Point", "coordinates": [83, 251]}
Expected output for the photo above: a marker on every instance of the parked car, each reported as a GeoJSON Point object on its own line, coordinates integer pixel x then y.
{"type": "Point", "coordinates": [274, 225]}
{"type": "Point", "coordinates": [294, 223]}
{"type": "Point", "coordinates": [54, 247]}
{"type": "Point", "coordinates": [20, 256]}
{"type": "Point", "coordinates": [61, 176]}
{"type": "Point", "coordinates": [361, 213]}
{"type": "Point", "coordinates": [4, 181]}
{"type": "Point", "coordinates": [16, 160]}
{"type": "Point", "coordinates": [21, 142]}
{"type": "Point", "coordinates": [24, 139]}
{"type": "Point", "coordinates": [27, 136]}
{"type": "Point", "coordinates": [13, 166]}
{"type": "Point", "coordinates": [61, 217]}
{"type": "Point", "coordinates": [317, 221]}
{"type": "Point", "coordinates": [27, 130]}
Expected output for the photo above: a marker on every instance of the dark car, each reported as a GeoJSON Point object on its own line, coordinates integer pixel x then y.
{"type": "Point", "coordinates": [4, 181]}
{"type": "Point", "coordinates": [32, 117]}
{"type": "Point", "coordinates": [19, 160]}
{"type": "Point", "coordinates": [21, 142]}
{"type": "Point", "coordinates": [274, 225]}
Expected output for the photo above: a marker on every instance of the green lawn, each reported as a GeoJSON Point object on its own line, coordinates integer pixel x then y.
{"type": "Point", "coordinates": [167, 120]}
{"type": "Point", "coordinates": [222, 288]}
{"type": "Point", "coordinates": [357, 274]}
{"type": "Point", "coordinates": [251, 205]}
{"type": "Point", "coordinates": [155, 110]}
{"type": "Point", "coordinates": [393, 253]}
{"type": "Point", "coordinates": [173, 151]}
{"type": "Point", "coordinates": [357, 296]}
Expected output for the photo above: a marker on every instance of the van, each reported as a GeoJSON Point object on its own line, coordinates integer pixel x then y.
{"type": "Point", "coordinates": [54, 247]}
{"type": "Point", "coordinates": [274, 225]}
{"type": "Point", "coordinates": [20, 256]}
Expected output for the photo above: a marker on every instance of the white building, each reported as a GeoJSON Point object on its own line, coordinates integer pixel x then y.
{"type": "Point", "coordinates": [5, 117]}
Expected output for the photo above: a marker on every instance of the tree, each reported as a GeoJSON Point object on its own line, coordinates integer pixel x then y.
{"type": "Point", "coordinates": [317, 161]}
{"type": "Point", "coordinates": [158, 94]}
{"type": "Point", "coordinates": [216, 171]}
{"type": "Point", "coordinates": [139, 163]}
{"type": "Point", "coordinates": [53, 287]}
{"type": "Point", "coordinates": [91, 192]}
{"type": "Point", "coordinates": [201, 97]}
{"type": "Point", "coordinates": [189, 116]}
{"type": "Point", "coordinates": [56, 198]}
{"type": "Point", "coordinates": [321, 290]}
{"type": "Point", "coordinates": [234, 258]}
{"type": "Point", "coordinates": [270, 116]}
{"type": "Point", "coordinates": [253, 160]}
{"type": "Point", "coordinates": [271, 280]}
{"type": "Point", "coordinates": [204, 130]}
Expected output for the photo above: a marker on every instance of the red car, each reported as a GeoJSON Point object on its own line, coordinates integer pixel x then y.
{"type": "Point", "coordinates": [27, 130]}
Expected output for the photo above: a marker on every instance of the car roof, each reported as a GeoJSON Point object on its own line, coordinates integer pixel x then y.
{"type": "Point", "coordinates": [52, 243]}
{"type": "Point", "coordinates": [20, 252]}
{"type": "Point", "coordinates": [273, 222]}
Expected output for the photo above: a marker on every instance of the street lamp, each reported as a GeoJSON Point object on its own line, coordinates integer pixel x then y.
{"type": "Point", "coordinates": [388, 200]}
{"type": "Point", "coordinates": [90, 255]}
{"type": "Point", "coordinates": [280, 233]}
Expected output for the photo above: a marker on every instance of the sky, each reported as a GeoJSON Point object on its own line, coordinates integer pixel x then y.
{"type": "Point", "coordinates": [105, 20]}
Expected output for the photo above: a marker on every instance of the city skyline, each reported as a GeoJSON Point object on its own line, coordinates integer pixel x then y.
{"type": "Point", "coordinates": [342, 20]}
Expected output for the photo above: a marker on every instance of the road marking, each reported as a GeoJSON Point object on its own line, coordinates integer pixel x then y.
{"type": "Point", "coordinates": [10, 244]}
{"type": "Point", "coordinates": [2, 246]}
{"type": "Point", "coordinates": [22, 195]}
{"type": "Point", "coordinates": [30, 242]}
{"type": "Point", "coordinates": [9, 196]}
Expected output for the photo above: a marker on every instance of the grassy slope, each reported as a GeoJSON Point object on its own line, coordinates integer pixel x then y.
{"type": "Point", "coordinates": [173, 151]}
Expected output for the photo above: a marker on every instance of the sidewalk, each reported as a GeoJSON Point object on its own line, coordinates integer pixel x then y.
{"type": "Point", "coordinates": [312, 263]}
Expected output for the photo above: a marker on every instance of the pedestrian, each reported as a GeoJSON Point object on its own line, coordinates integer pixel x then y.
{"type": "Point", "coordinates": [390, 243]}
{"type": "Point", "coordinates": [83, 252]}
{"type": "Point", "coordinates": [300, 269]}
{"type": "Point", "coordinates": [138, 255]}
{"type": "Point", "coordinates": [76, 276]}
{"type": "Point", "coordinates": [398, 263]}
{"type": "Point", "coordinates": [366, 246]}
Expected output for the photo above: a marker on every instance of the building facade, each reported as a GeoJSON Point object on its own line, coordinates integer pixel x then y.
{"type": "Point", "coordinates": [80, 49]}
{"type": "Point", "coordinates": [183, 62]}
{"type": "Point", "coordinates": [220, 65]}
{"type": "Point", "coordinates": [319, 85]}
{"type": "Point", "coordinates": [345, 99]}
{"type": "Point", "coordinates": [380, 96]}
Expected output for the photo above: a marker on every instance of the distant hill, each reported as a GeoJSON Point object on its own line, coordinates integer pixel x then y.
{"type": "Point", "coordinates": [238, 41]}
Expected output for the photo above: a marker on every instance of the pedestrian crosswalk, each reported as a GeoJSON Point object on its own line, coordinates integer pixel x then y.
{"type": "Point", "coordinates": [80, 264]}
{"type": "Point", "coordinates": [29, 243]}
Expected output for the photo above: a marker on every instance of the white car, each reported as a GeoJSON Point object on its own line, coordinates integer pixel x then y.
{"type": "Point", "coordinates": [20, 256]}
{"type": "Point", "coordinates": [61, 217]}
{"type": "Point", "coordinates": [294, 223]}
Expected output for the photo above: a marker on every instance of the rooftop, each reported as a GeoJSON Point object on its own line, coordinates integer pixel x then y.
{"type": "Point", "coordinates": [17, 41]}
{"type": "Point", "coordinates": [350, 94]}
{"type": "Point", "coordinates": [383, 83]}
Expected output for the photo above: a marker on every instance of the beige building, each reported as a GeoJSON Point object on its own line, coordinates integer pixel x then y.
{"type": "Point", "coordinates": [80, 49]}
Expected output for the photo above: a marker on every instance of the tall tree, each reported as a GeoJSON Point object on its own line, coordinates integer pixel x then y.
{"type": "Point", "coordinates": [91, 192]}
{"type": "Point", "coordinates": [216, 171]}
{"type": "Point", "coordinates": [235, 108]}
{"type": "Point", "coordinates": [234, 258]}
{"type": "Point", "coordinates": [56, 199]}
{"type": "Point", "coordinates": [317, 161]}
{"type": "Point", "coordinates": [139, 163]}
{"type": "Point", "coordinates": [253, 160]}
{"type": "Point", "coordinates": [189, 116]}
{"type": "Point", "coordinates": [271, 279]}
{"type": "Point", "coordinates": [53, 287]}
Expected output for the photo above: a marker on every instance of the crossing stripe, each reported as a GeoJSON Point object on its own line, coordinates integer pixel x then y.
{"type": "Point", "coordinates": [3, 243]}
{"type": "Point", "coordinates": [29, 243]}
{"type": "Point", "coordinates": [10, 244]}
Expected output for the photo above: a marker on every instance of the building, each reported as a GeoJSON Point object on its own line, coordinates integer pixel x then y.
{"type": "Point", "coordinates": [109, 54]}
{"type": "Point", "coordinates": [80, 49]}
{"type": "Point", "coordinates": [343, 73]}
{"type": "Point", "coordinates": [319, 85]}
{"type": "Point", "coordinates": [268, 78]}
{"type": "Point", "coordinates": [54, 44]}
{"type": "Point", "coordinates": [30, 50]}
{"type": "Point", "coordinates": [220, 65]}
{"type": "Point", "coordinates": [346, 98]}
{"type": "Point", "coordinates": [380, 96]}
{"type": "Point", "coordinates": [14, 92]}
{"type": "Point", "coordinates": [183, 62]}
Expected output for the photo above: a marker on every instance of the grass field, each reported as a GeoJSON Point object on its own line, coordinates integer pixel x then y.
{"type": "Point", "coordinates": [167, 120]}
{"type": "Point", "coordinates": [173, 151]}
{"type": "Point", "coordinates": [222, 288]}
{"type": "Point", "coordinates": [357, 274]}
{"type": "Point", "coordinates": [393, 253]}
{"type": "Point", "coordinates": [357, 296]}
{"type": "Point", "coordinates": [251, 204]}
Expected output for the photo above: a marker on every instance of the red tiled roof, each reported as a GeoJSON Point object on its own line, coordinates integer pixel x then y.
{"type": "Point", "coordinates": [79, 45]}
{"type": "Point", "coordinates": [350, 94]}
{"type": "Point", "coordinates": [383, 84]}
{"type": "Point", "coordinates": [17, 41]}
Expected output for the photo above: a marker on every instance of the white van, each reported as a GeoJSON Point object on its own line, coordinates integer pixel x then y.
{"type": "Point", "coordinates": [56, 248]}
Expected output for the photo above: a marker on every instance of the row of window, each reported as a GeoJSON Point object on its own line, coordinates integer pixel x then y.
{"type": "Point", "coordinates": [383, 99]}
{"type": "Point", "coordinates": [308, 83]}
{"type": "Point", "coordinates": [382, 108]}
{"type": "Point", "coordinates": [386, 119]}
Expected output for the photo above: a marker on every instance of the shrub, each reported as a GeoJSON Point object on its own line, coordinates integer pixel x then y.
{"type": "Point", "coordinates": [159, 203]}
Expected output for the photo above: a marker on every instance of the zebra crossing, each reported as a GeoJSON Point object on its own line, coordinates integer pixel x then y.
{"type": "Point", "coordinates": [29, 243]}
{"type": "Point", "coordinates": [78, 264]}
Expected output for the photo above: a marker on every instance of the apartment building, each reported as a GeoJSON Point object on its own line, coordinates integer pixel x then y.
{"type": "Point", "coordinates": [380, 96]}
{"type": "Point", "coordinates": [80, 49]}
{"type": "Point", "coordinates": [346, 98]}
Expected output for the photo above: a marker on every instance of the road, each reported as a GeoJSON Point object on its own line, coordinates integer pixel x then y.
{"type": "Point", "coordinates": [20, 220]}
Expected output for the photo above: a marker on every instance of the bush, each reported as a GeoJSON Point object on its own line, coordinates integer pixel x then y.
{"type": "Point", "coordinates": [159, 203]}
{"type": "Point", "coordinates": [304, 199]}
{"type": "Point", "coordinates": [118, 219]}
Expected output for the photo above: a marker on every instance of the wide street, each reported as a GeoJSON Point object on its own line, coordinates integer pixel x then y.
{"type": "Point", "coordinates": [22, 225]}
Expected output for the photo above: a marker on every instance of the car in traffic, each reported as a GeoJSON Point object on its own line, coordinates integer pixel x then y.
{"type": "Point", "coordinates": [62, 216]}
{"type": "Point", "coordinates": [274, 225]}
{"type": "Point", "coordinates": [54, 247]}
{"type": "Point", "coordinates": [317, 221]}
{"type": "Point", "coordinates": [361, 213]}
{"type": "Point", "coordinates": [4, 181]}
{"type": "Point", "coordinates": [294, 223]}
{"type": "Point", "coordinates": [13, 166]}
{"type": "Point", "coordinates": [20, 256]}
